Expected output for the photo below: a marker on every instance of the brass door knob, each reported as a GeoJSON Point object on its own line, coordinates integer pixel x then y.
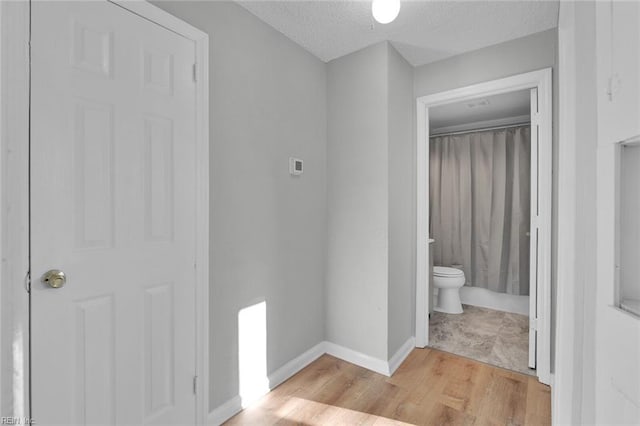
{"type": "Point", "coordinates": [54, 278]}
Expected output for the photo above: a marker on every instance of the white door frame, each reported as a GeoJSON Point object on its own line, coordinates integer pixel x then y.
{"type": "Point", "coordinates": [542, 80]}
{"type": "Point", "coordinates": [567, 368]}
{"type": "Point", "coordinates": [14, 200]}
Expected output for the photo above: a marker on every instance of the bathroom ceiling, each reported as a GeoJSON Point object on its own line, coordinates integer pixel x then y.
{"type": "Point", "coordinates": [425, 31]}
{"type": "Point", "coordinates": [506, 108]}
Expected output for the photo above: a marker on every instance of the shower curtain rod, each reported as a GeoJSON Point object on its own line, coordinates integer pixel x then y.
{"type": "Point", "coordinates": [482, 129]}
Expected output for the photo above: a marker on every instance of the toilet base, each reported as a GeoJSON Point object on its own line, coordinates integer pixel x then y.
{"type": "Point", "coordinates": [449, 301]}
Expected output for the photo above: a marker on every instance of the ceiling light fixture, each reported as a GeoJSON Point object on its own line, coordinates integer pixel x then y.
{"type": "Point", "coordinates": [385, 11]}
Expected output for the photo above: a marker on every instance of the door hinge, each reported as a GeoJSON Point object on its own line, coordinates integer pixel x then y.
{"type": "Point", "coordinates": [27, 282]}
{"type": "Point", "coordinates": [533, 324]}
{"type": "Point", "coordinates": [195, 385]}
{"type": "Point", "coordinates": [195, 72]}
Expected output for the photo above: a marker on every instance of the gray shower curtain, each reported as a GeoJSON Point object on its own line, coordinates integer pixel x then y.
{"type": "Point", "coordinates": [479, 206]}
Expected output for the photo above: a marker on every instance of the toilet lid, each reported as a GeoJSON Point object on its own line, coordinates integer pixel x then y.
{"type": "Point", "coordinates": [443, 271]}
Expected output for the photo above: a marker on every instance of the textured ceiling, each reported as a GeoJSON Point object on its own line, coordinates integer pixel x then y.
{"type": "Point", "coordinates": [505, 105]}
{"type": "Point", "coordinates": [425, 31]}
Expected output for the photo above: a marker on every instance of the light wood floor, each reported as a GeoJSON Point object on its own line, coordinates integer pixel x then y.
{"type": "Point", "coordinates": [430, 388]}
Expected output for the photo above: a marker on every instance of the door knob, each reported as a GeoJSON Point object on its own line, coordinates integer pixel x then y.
{"type": "Point", "coordinates": [54, 278]}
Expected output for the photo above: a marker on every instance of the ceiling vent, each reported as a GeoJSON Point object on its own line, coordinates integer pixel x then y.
{"type": "Point", "coordinates": [478, 104]}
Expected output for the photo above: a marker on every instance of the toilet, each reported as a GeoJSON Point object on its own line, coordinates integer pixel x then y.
{"type": "Point", "coordinates": [448, 281]}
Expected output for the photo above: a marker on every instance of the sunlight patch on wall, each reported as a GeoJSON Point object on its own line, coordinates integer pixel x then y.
{"type": "Point", "coordinates": [252, 352]}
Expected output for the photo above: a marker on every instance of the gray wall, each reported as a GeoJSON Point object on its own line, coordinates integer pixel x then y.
{"type": "Point", "coordinates": [402, 206]}
{"type": "Point", "coordinates": [267, 102]}
{"type": "Point", "coordinates": [331, 252]}
{"type": "Point", "coordinates": [517, 56]}
{"type": "Point", "coordinates": [357, 188]}
{"type": "Point", "coordinates": [371, 226]}
{"type": "Point", "coordinates": [501, 60]}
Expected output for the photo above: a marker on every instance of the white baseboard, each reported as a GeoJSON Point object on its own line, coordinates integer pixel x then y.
{"type": "Point", "coordinates": [225, 411]}
{"type": "Point", "coordinates": [292, 367]}
{"type": "Point", "coordinates": [233, 406]}
{"type": "Point", "coordinates": [477, 296]}
{"type": "Point", "coordinates": [357, 358]}
{"type": "Point", "coordinates": [401, 354]}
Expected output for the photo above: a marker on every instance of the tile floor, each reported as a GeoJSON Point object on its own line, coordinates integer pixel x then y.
{"type": "Point", "coordinates": [495, 337]}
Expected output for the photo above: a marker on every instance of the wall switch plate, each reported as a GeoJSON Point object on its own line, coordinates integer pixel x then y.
{"type": "Point", "coordinates": [295, 166]}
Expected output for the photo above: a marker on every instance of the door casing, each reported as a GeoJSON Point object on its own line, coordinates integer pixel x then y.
{"type": "Point", "coordinates": [542, 81]}
{"type": "Point", "coordinates": [14, 200]}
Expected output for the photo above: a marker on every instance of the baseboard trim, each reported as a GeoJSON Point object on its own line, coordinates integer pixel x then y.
{"type": "Point", "coordinates": [401, 354]}
{"type": "Point", "coordinates": [225, 411]}
{"type": "Point", "coordinates": [292, 367]}
{"type": "Point", "coordinates": [477, 296]}
{"type": "Point", "coordinates": [357, 358]}
{"type": "Point", "coordinates": [233, 406]}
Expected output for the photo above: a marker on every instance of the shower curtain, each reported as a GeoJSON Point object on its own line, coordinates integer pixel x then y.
{"type": "Point", "coordinates": [479, 206]}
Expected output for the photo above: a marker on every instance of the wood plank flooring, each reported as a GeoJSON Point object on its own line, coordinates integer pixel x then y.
{"type": "Point", "coordinates": [430, 388]}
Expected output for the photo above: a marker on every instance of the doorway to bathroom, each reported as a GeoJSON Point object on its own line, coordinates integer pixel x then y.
{"type": "Point", "coordinates": [484, 219]}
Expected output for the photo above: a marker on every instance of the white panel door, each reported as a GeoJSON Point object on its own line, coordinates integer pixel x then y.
{"type": "Point", "coordinates": [113, 207]}
{"type": "Point", "coordinates": [534, 230]}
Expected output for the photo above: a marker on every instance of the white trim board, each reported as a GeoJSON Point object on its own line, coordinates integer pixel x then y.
{"type": "Point", "coordinates": [484, 298]}
{"type": "Point", "coordinates": [234, 405]}
{"type": "Point", "coordinates": [377, 365]}
{"type": "Point", "coordinates": [358, 358]}
{"type": "Point", "coordinates": [285, 372]}
{"type": "Point", "coordinates": [224, 412]}
{"type": "Point", "coordinates": [540, 80]}
{"type": "Point", "coordinates": [401, 354]}
{"type": "Point", "coordinates": [481, 297]}
{"type": "Point", "coordinates": [566, 396]}
{"type": "Point", "coordinates": [14, 214]}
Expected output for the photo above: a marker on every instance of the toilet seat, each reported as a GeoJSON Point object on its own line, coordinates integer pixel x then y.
{"type": "Point", "coordinates": [444, 271]}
